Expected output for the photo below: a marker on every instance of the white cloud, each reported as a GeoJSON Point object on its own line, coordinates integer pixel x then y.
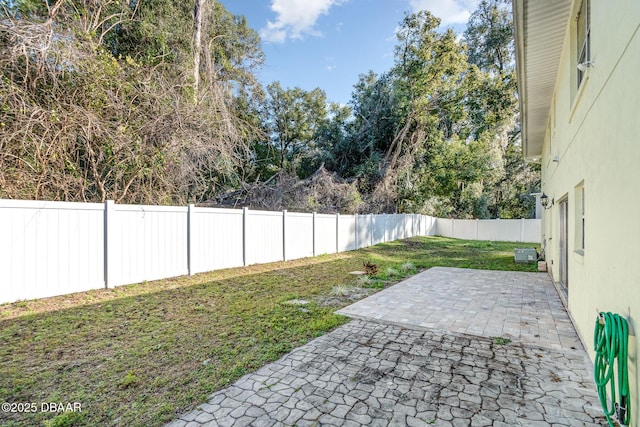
{"type": "Point", "coordinates": [450, 11]}
{"type": "Point", "coordinates": [330, 67]}
{"type": "Point", "coordinates": [295, 18]}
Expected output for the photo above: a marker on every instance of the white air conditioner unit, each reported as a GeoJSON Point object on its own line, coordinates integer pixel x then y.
{"type": "Point", "coordinates": [526, 255]}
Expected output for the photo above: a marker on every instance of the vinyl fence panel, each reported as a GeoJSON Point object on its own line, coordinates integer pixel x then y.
{"type": "Point", "coordinates": [264, 237]}
{"type": "Point", "coordinates": [216, 239]}
{"type": "Point", "coordinates": [506, 230]}
{"type": "Point", "coordinates": [50, 248]}
{"type": "Point", "coordinates": [532, 230]}
{"type": "Point", "coordinates": [298, 235]}
{"type": "Point", "coordinates": [408, 226]}
{"type": "Point", "coordinates": [346, 233]}
{"type": "Point", "coordinates": [487, 229]}
{"type": "Point", "coordinates": [379, 229]}
{"type": "Point", "coordinates": [395, 227]}
{"type": "Point", "coordinates": [150, 243]}
{"type": "Point", "coordinates": [466, 229]}
{"type": "Point", "coordinates": [421, 222]}
{"type": "Point", "coordinates": [509, 230]}
{"type": "Point", "coordinates": [429, 225]}
{"type": "Point", "coordinates": [364, 230]}
{"type": "Point", "coordinates": [326, 234]}
{"type": "Point", "coordinates": [444, 227]}
{"type": "Point", "coordinates": [415, 225]}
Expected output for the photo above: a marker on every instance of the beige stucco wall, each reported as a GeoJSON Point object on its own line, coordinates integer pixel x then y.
{"type": "Point", "coordinates": [595, 133]}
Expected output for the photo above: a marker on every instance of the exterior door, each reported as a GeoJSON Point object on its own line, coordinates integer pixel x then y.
{"type": "Point", "coordinates": [564, 246]}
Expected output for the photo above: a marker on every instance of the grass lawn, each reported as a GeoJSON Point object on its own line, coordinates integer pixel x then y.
{"type": "Point", "coordinates": [141, 354]}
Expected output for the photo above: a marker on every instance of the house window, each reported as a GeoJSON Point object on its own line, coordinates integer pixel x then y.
{"type": "Point", "coordinates": [583, 38]}
{"type": "Point", "coordinates": [579, 219]}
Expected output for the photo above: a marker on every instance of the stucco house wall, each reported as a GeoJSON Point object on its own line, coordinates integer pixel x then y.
{"type": "Point", "coordinates": [592, 142]}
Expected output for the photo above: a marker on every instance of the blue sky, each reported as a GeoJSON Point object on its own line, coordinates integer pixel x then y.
{"type": "Point", "coordinates": [328, 43]}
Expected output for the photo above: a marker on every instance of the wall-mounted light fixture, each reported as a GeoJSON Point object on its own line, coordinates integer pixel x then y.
{"type": "Point", "coordinates": [545, 202]}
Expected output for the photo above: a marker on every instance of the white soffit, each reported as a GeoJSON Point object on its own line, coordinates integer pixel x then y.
{"type": "Point", "coordinates": [540, 30]}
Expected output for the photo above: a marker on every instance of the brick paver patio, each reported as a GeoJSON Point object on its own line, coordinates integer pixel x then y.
{"type": "Point", "coordinates": [524, 307]}
{"type": "Point", "coordinates": [426, 352]}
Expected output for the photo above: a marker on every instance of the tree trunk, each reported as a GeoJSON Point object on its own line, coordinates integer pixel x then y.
{"type": "Point", "coordinates": [198, 17]}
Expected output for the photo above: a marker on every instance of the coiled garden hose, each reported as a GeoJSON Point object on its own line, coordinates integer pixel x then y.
{"type": "Point", "coordinates": [611, 337]}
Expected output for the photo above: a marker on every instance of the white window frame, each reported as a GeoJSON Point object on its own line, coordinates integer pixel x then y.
{"type": "Point", "coordinates": [583, 46]}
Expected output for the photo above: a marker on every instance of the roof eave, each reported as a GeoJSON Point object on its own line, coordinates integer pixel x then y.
{"type": "Point", "coordinates": [540, 28]}
{"type": "Point", "coordinates": [518, 21]}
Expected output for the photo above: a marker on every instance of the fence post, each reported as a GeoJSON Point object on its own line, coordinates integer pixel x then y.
{"type": "Point", "coordinates": [413, 225]}
{"type": "Point", "coordinates": [522, 229]}
{"type": "Point", "coordinates": [245, 213]}
{"type": "Point", "coordinates": [405, 219]}
{"type": "Point", "coordinates": [384, 223]}
{"type": "Point", "coordinates": [371, 229]}
{"type": "Point", "coordinates": [109, 243]}
{"type": "Point", "coordinates": [355, 221]}
{"type": "Point", "coordinates": [337, 232]}
{"type": "Point", "coordinates": [190, 234]}
{"type": "Point", "coordinates": [284, 234]}
{"type": "Point", "coordinates": [412, 229]}
{"type": "Point", "coordinates": [314, 233]}
{"type": "Point", "coordinates": [404, 229]}
{"type": "Point", "coordinates": [477, 226]}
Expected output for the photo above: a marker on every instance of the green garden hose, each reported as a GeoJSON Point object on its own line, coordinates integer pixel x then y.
{"type": "Point", "coordinates": [611, 337]}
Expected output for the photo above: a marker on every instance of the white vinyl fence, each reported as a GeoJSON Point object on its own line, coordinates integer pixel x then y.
{"type": "Point", "coordinates": [501, 230]}
{"type": "Point", "coordinates": [56, 248]}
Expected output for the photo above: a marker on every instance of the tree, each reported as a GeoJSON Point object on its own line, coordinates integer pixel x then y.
{"type": "Point", "coordinates": [428, 71]}
{"type": "Point", "coordinates": [335, 145]}
{"type": "Point", "coordinates": [158, 102]}
{"type": "Point", "coordinates": [408, 140]}
{"type": "Point", "coordinates": [97, 101]}
{"type": "Point", "coordinates": [489, 37]}
{"type": "Point", "coordinates": [354, 139]}
{"type": "Point", "coordinates": [198, 17]}
{"type": "Point", "coordinates": [429, 67]}
{"type": "Point", "coordinates": [493, 109]}
{"type": "Point", "coordinates": [293, 117]}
